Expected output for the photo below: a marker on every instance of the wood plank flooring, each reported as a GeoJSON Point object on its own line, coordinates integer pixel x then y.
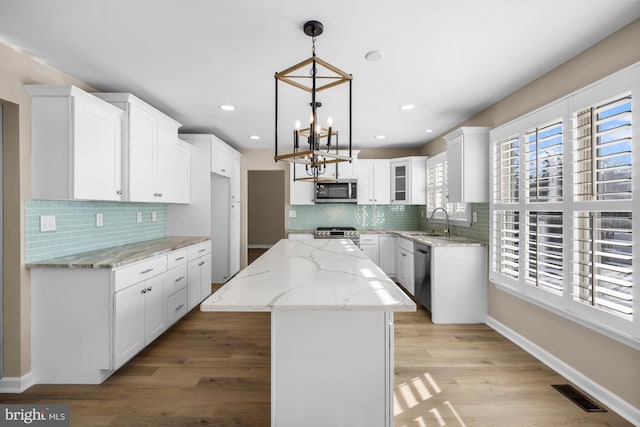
{"type": "Point", "coordinates": [214, 369]}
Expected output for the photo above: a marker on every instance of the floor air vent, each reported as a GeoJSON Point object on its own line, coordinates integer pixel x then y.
{"type": "Point", "coordinates": [579, 398]}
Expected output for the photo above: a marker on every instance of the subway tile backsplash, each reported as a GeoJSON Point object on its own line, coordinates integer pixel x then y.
{"type": "Point", "coordinates": [76, 229]}
{"type": "Point", "coordinates": [363, 217]}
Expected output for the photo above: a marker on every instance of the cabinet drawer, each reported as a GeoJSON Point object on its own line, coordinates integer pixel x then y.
{"type": "Point", "coordinates": [176, 306]}
{"type": "Point", "coordinates": [127, 276]}
{"type": "Point", "coordinates": [176, 258]}
{"type": "Point", "coordinates": [199, 249]}
{"type": "Point", "coordinates": [405, 244]}
{"type": "Point", "coordinates": [369, 239]}
{"type": "Point", "coordinates": [176, 279]}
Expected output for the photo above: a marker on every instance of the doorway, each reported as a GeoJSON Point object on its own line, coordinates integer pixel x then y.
{"type": "Point", "coordinates": [266, 210]}
{"type": "Point", "coordinates": [1, 253]}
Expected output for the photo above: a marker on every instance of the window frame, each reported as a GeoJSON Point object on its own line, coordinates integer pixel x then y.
{"type": "Point", "coordinates": [612, 325]}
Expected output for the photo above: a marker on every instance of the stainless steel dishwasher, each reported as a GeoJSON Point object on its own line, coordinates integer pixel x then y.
{"type": "Point", "coordinates": [422, 274]}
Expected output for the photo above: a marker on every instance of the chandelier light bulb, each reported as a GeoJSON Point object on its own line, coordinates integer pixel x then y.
{"type": "Point", "coordinates": [329, 122]}
{"type": "Point", "coordinates": [297, 125]}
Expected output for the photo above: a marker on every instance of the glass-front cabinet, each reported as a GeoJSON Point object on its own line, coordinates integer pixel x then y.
{"type": "Point", "coordinates": [408, 185]}
{"type": "Point", "coordinates": [399, 182]}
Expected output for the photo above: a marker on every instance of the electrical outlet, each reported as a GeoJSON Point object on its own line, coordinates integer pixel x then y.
{"type": "Point", "coordinates": [47, 223]}
{"type": "Point", "coordinates": [99, 220]}
{"type": "Point", "coordinates": [154, 217]}
{"type": "Point", "coordinates": [474, 216]}
{"type": "Point", "coordinates": [292, 214]}
{"type": "Point", "coordinates": [139, 217]}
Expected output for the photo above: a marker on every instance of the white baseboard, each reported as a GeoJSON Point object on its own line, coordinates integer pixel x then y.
{"type": "Point", "coordinates": [16, 384]}
{"type": "Point", "coordinates": [620, 406]}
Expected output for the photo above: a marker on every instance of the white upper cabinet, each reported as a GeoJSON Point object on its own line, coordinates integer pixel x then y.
{"type": "Point", "coordinates": [225, 161]}
{"type": "Point", "coordinates": [300, 192]}
{"type": "Point", "coordinates": [468, 168]}
{"type": "Point", "coordinates": [345, 170]}
{"type": "Point", "coordinates": [181, 165]}
{"type": "Point", "coordinates": [76, 145]}
{"type": "Point", "coordinates": [408, 180]}
{"type": "Point", "coordinates": [149, 141]}
{"type": "Point", "coordinates": [373, 182]}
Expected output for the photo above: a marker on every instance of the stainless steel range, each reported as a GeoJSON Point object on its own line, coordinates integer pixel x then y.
{"type": "Point", "coordinates": [338, 233]}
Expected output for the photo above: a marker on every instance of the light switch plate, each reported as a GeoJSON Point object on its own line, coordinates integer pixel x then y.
{"type": "Point", "coordinates": [292, 214]}
{"type": "Point", "coordinates": [474, 216]}
{"type": "Point", "coordinates": [99, 220]}
{"type": "Point", "coordinates": [47, 223]}
{"type": "Point", "coordinates": [154, 217]}
{"type": "Point", "coordinates": [139, 217]}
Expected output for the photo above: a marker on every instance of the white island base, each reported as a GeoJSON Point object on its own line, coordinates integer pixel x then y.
{"type": "Point", "coordinates": [331, 368]}
{"type": "Point", "coordinates": [331, 331]}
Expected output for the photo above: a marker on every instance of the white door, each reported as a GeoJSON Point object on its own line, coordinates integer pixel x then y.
{"type": "Point", "coordinates": [380, 177]}
{"type": "Point", "coordinates": [365, 182]}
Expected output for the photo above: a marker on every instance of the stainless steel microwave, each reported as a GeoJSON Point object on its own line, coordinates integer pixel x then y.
{"type": "Point", "coordinates": [344, 191]}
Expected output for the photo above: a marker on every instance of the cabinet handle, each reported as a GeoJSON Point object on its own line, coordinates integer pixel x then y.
{"type": "Point", "coordinates": [202, 250]}
{"type": "Point", "coordinates": [157, 194]}
{"type": "Point", "coordinates": [149, 270]}
{"type": "Point", "coordinates": [179, 258]}
{"type": "Point", "coordinates": [201, 263]}
{"type": "Point", "coordinates": [179, 278]}
{"type": "Point", "coordinates": [149, 288]}
{"type": "Point", "coordinates": [223, 170]}
{"type": "Point", "coordinates": [144, 291]}
{"type": "Point", "coordinates": [119, 192]}
{"type": "Point", "coordinates": [404, 254]}
{"type": "Point", "coordinates": [179, 307]}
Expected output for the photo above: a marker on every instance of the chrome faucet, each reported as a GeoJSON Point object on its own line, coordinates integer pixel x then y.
{"type": "Point", "coordinates": [447, 233]}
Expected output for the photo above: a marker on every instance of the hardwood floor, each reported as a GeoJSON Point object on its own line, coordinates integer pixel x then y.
{"type": "Point", "coordinates": [214, 369]}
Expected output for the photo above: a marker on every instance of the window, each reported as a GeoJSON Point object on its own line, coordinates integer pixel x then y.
{"type": "Point", "coordinates": [563, 209]}
{"type": "Point", "coordinates": [459, 213]}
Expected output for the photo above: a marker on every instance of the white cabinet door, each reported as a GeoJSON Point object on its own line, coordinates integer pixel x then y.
{"type": "Point", "coordinates": [386, 254]}
{"type": "Point", "coordinates": [205, 276]}
{"type": "Point", "coordinates": [129, 323]}
{"type": "Point", "coordinates": [236, 173]}
{"type": "Point", "coordinates": [221, 161]}
{"type": "Point", "coordinates": [97, 171]}
{"type": "Point", "coordinates": [400, 182]}
{"type": "Point", "coordinates": [193, 284]}
{"type": "Point", "coordinates": [164, 163]}
{"type": "Point", "coordinates": [234, 239]}
{"type": "Point", "coordinates": [300, 192]}
{"type": "Point", "coordinates": [404, 269]}
{"type": "Point", "coordinates": [371, 251]}
{"type": "Point", "coordinates": [300, 236]}
{"type": "Point", "coordinates": [143, 137]}
{"type": "Point", "coordinates": [381, 191]}
{"type": "Point", "coordinates": [468, 164]}
{"type": "Point", "coordinates": [154, 308]}
{"type": "Point", "coordinates": [365, 182]}
{"type": "Point", "coordinates": [181, 182]}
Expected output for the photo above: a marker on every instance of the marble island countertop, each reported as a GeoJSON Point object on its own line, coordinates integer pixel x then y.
{"type": "Point", "coordinates": [118, 256]}
{"type": "Point", "coordinates": [322, 274]}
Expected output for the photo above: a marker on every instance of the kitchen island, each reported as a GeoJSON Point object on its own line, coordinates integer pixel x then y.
{"type": "Point", "coordinates": [331, 331]}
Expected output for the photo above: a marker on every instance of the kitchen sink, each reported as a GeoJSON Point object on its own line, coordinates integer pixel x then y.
{"type": "Point", "coordinates": [424, 234]}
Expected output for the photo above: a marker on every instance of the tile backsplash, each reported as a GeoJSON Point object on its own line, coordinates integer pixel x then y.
{"type": "Point", "coordinates": [363, 217]}
{"type": "Point", "coordinates": [76, 229]}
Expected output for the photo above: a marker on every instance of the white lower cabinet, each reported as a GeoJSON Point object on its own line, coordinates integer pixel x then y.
{"type": "Point", "coordinates": [404, 264]}
{"type": "Point", "coordinates": [369, 245]}
{"type": "Point", "coordinates": [387, 254]}
{"type": "Point", "coordinates": [199, 274]}
{"type": "Point", "coordinates": [88, 322]}
{"type": "Point", "coordinates": [139, 317]}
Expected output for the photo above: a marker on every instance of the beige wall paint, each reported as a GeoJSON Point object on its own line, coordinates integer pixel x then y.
{"type": "Point", "coordinates": [17, 69]}
{"type": "Point", "coordinates": [580, 347]}
{"type": "Point", "coordinates": [265, 210]}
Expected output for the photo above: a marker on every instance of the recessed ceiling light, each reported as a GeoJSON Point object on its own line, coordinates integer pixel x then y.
{"type": "Point", "coordinates": [429, 130]}
{"type": "Point", "coordinates": [254, 137]}
{"type": "Point", "coordinates": [380, 137]}
{"type": "Point", "coordinates": [407, 107]}
{"type": "Point", "coordinates": [226, 107]}
{"type": "Point", "coordinates": [374, 55]}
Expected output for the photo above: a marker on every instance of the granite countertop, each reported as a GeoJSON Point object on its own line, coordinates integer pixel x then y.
{"type": "Point", "coordinates": [306, 275]}
{"type": "Point", "coordinates": [118, 256]}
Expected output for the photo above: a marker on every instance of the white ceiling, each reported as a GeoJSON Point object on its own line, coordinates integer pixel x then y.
{"type": "Point", "coordinates": [451, 59]}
